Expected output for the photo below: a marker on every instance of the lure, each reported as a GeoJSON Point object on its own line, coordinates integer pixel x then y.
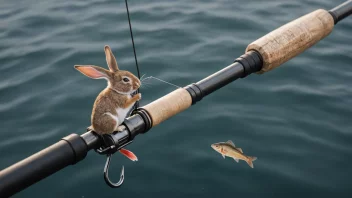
{"type": "Point", "coordinates": [129, 154]}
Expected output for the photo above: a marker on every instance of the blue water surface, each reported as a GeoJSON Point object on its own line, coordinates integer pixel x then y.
{"type": "Point", "coordinates": [295, 119]}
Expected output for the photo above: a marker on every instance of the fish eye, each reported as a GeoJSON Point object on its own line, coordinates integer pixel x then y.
{"type": "Point", "coordinates": [126, 79]}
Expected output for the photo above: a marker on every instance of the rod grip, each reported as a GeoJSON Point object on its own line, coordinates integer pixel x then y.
{"type": "Point", "coordinates": [293, 38]}
{"type": "Point", "coordinates": [168, 106]}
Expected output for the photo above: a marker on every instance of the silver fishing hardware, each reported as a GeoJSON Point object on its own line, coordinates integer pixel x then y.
{"type": "Point", "coordinates": [106, 174]}
{"type": "Point", "coordinates": [111, 144]}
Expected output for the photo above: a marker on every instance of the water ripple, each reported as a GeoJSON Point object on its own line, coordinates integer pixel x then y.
{"type": "Point", "coordinates": [295, 119]}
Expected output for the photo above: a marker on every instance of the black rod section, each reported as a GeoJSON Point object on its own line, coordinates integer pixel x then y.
{"type": "Point", "coordinates": [342, 11]}
{"type": "Point", "coordinates": [243, 66]}
{"type": "Point", "coordinates": [19, 176]}
{"type": "Point", "coordinates": [220, 78]}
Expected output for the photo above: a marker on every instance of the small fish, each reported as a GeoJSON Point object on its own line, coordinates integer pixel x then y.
{"type": "Point", "coordinates": [230, 150]}
{"type": "Point", "coordinates": [129, 154]}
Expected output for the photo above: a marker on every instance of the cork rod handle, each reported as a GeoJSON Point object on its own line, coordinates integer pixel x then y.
{"type": "Point", "coordinates": [168, 105]}
{"type": "Point", "coordinates": [291, 39]}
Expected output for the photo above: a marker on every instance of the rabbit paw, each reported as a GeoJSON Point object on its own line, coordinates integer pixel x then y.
{"type": "Point", "coordinates": [121, 128]}
{"type": "Point", "coordinates": [139, 96]}
{"type": "Point", "coordinates": [90, 128]}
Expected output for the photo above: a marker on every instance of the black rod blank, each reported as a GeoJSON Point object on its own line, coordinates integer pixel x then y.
{"type": "Point", "coordinates": [341, 11]}
{"type": "Point", "coordinates": [220, 78]}
{"type": "Point", "coordinates": [246, 64]}
{"type": "Point", "coordinates": [17, 177]}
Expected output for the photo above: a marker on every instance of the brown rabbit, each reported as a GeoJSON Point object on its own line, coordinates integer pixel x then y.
{"type": "Point", "coordinates": [114, 102]}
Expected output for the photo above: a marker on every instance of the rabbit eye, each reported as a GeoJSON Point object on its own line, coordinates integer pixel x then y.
{"type": "Point", "coordinates": [126, 80]}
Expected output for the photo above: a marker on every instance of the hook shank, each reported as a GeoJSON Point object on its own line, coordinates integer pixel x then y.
{"type": "Point", "coordinates": [106, 174]}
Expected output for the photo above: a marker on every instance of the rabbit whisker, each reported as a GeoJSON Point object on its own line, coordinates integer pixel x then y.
{"type": "Point", "coordinates": [147, 78]}
{"type": "Point", "coordinates": [145, 85]}
{"type": "Point", "coordinates": [163, 81]}
{"type": "Point", "coordinates": [144, 82]}
{"type": "Point", "coordinates": [141, 79]}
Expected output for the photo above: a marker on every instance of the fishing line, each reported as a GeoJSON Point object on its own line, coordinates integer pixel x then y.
{"type": "Point", "coordinates": [150, 77]}
{"type": "Point", "coordinates": [135, 58]}
{"type": "Point", "coordinates": [134, 49]}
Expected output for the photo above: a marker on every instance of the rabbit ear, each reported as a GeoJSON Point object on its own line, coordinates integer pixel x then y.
{"type": "Point", "coordinates": [94, 72]}
{"type": "Point", "coordinates": [110, 59]}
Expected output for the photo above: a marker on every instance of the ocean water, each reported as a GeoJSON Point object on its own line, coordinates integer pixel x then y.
{"type": "Point", "coordinates": [295, 119]}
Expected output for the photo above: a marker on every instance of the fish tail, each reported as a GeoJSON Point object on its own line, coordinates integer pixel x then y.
{"type": "Point", "coordinates": [250, 161]}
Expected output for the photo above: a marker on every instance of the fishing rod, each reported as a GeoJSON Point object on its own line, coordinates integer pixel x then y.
{"type": "Point", "coordinates": [261, 56]}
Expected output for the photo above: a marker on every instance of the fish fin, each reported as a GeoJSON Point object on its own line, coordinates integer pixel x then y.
{"type": "Point", "coordinates": [129, 154]}
{"type": "Point", "coordinates": [223, 156]}
{"type": "Point", "coordinates": [239, 149]}
{"type": "Point", "coordinates": [250, 161]}
{"type": "Point", "coordinates": [236, 159]}
{"type": "Point", "coordinates": [230, 142]}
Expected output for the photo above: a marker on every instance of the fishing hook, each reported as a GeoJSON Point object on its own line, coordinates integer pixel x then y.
{"type": "Point", "coordinates": [106, 174]}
